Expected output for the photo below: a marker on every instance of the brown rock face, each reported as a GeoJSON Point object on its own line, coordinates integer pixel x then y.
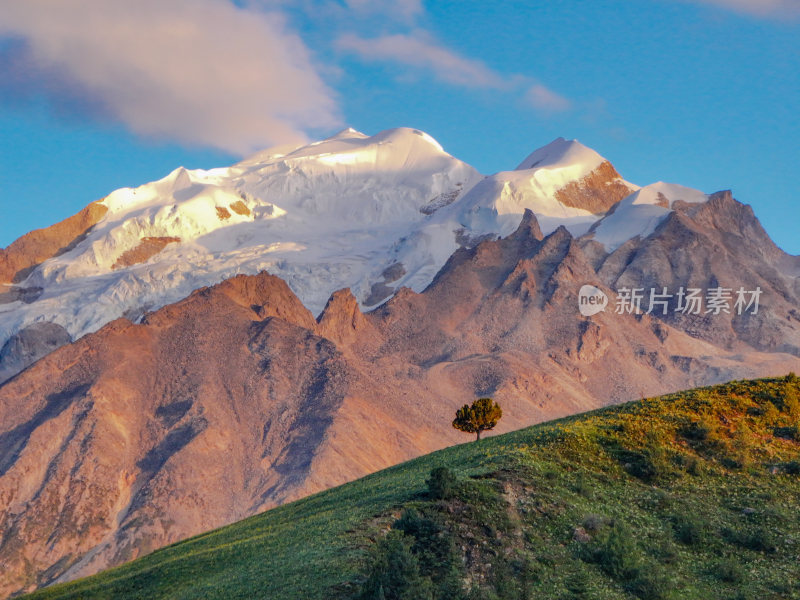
{"type": "Point", "coordinates": [235, 399]}
{"type": "Point", "coordinates": [342, 320]}
{"type": "Point", "coordinates": [240, 208]}
{"type": "Point", "coordinates": [24, 254]}
{"type": "Point", "coordinates": [597, 192]}
{"type": "Point", "coordinates": [147, 248]}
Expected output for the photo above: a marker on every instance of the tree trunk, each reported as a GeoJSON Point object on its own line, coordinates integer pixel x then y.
{"type": "Point", "coordinates": [479, 435]}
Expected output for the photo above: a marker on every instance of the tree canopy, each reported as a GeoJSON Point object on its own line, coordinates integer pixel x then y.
{"type": "Point", "coordinates": [482, 415]}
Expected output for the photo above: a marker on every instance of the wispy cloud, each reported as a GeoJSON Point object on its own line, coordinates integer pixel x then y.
{"type": "Point", "coordinates": [335, 16]}
{"type": "Point", "coordinates": [418, 51]}
{"type": "Point", "coordinates": [194, 71]}
{"type": "Point", "coordinates": [546, 100]}
{"type": "Point", "coordinates": [759, 8]}
{"type": "Point", "coordinates": [405, 9]}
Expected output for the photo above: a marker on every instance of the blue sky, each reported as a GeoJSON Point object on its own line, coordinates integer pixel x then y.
{"type": "Point", "coordinates": [705, 93]}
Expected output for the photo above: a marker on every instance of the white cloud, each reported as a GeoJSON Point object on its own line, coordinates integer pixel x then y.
{"type": "Point", "coordinates": [761, 8]}
{"type": "Point", "coordinates": [194, 71]}
{"type": "Point", "coordinates": [417, 50]}
{"type": "Point", "coordinates": [546, 100]}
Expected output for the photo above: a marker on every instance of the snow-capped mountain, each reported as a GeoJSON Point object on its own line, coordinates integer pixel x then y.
{"type": "Point", "coordinates": [370, 213]}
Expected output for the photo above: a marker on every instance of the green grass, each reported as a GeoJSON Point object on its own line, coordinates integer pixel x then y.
{"type": "Point", "coordinates": [691, 495]}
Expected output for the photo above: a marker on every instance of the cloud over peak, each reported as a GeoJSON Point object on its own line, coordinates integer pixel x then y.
{"type": "Point", "coordinates": [194, 71]}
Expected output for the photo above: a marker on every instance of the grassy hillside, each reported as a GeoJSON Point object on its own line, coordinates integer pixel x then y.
{"type": "Point", "coordinates": [691, 495]}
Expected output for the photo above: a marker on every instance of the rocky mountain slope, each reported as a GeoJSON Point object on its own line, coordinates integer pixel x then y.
{"type": "Point", "coordinates": [236, 398]}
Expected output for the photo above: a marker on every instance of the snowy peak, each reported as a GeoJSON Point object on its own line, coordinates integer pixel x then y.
{"type": "Point", "coordinates": [561, 153]}
{"type": "Point", "coordinates": [393, 149]}
{"type": "Point", "coordinates": [639, 214]}
{"type": "Point", "coordinates": [575, 176]}
{"type": "Point", "coordinates": [563, 183]}
{"type": "Point", "coordinates": [346, 133]}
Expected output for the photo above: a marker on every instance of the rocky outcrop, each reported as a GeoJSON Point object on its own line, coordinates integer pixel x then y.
{"type": "Point", "coordinates": [597, 192]}
{"type": "Point", "coordinates": [147, 248]}
{"type": "Point", "coordinates": [240, 208]}
{"type": "Point", "coordinates": [342, 320]}
{"type": "Point", "coordinates": [26, 253]}
{"type": "Point", "coordinates": [17, 293]}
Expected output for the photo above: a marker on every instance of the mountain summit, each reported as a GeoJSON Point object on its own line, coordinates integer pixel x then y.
{"type": "Point", "coordinates": [564, 154]}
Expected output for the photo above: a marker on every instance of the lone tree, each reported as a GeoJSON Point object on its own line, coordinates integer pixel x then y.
{"type": "Point", "coordinates": [481, 416]}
